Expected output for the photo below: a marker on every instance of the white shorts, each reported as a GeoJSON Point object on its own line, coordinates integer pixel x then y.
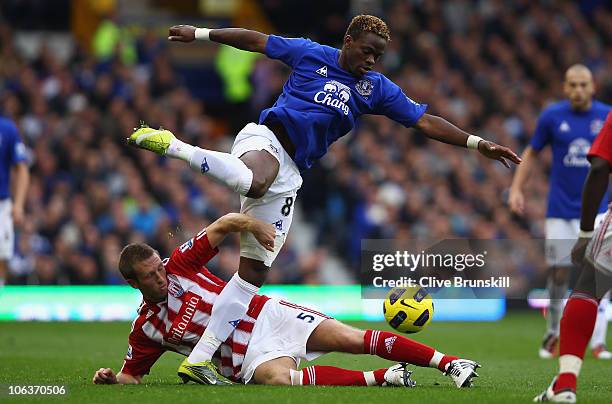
{"type": "Point", "coordinates": [599, 249]}
{"type": "Point", "coordinates": [7, 235]}
{"type": "Point", "coordinates": [282, 329]}
{"type": "Point", "coordinates": [561, 235]}
{"type": "Point", "coordinates": [277, 205]}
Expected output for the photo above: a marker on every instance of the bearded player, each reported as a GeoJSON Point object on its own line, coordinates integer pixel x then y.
{"type": "Point", "coordinates": [569, 127]}
{"type": "Point", "coordinates": [266, 346]}
{"type": "Point", "coordinates": [326, 92]}
{"type": "Point", "coordinates": [595, 278]}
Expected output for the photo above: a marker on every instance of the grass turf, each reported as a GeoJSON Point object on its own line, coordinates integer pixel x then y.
{"type": "Point", "coordinates": [69, 353]}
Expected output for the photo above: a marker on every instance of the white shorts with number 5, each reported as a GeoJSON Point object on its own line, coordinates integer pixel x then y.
{"type": "Point", "coordinates": [561, 235]}
{"type": "Point", "coordinates": [599, 249]}
{"type": "Point", "coordinates": [282, 329]}
{"type": "Point", "coordinates": [276, 206]}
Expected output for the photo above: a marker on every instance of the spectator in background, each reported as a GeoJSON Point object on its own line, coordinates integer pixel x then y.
{"type": "Point", "coordinates": [491, 73]}
{"type": "Point", "coordinates": [12, 158]}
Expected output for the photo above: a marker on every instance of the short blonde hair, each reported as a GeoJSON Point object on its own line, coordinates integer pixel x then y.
{"type": "Point", "coordinates": [368, 23]}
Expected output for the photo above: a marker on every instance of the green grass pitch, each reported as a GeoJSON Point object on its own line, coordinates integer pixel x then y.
{"type": "Point", "coordinates": [69, 353]}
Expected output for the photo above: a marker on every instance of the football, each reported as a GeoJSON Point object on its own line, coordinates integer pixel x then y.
{"type": "Point", "coordinates": [408, 310]}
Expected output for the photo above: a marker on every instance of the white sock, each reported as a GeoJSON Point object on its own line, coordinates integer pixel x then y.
{"type": "Point", "coordinates": [296, 377]}
{"type": "Point", "coordinates": [570, 364]}
{"type": "Point", "coordinates": [435, 359]}
{"type": "Point", "coordinates": [231, 305]}
{"type": "Point", "coordinates": [556, 294]}
{"type": "Point", "coordinates": [601, 324]}
{"type": "Point", "coordinates": [180, 150]}
{"type": "Point", "coordinates": [222, 167]}
{"type": "Point", "coordinates": [370, 379]}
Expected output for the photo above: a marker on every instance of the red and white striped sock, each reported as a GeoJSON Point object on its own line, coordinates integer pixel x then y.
{"type": "Point", "coordinates": [401, 349]}
{"type": "Point", "coordinates": [333, 376]}
{"type": "Point", "coordinates": [577, 326]}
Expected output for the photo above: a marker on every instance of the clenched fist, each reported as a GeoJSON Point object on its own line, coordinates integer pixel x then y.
{"type": "Point", "coordinates": [182, 33]}
{"type": "Point", "coordinates": [105, 376]}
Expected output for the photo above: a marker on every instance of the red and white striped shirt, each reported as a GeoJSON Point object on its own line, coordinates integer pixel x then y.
{"type": "Point", "coordinates": [177, 323]}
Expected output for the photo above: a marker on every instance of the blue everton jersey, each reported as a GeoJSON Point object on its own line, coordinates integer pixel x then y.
{"type": "Point", "coordinates": [12, 151]}
{"type": "Point", "coordinates": [570, 134]}
{"type": "Point", "coordinates": [321, 101]}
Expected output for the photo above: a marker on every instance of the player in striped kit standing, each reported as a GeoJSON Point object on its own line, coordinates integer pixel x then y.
{"type": "Point", "coordinates": [592, 254]}
{"type": "Point", "coordinates": [569, 127]}
{"type": "Point", "coordinates": [269, 341]}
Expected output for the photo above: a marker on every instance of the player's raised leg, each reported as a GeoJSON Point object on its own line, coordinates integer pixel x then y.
{"type": "Point", "coordinates": [249, 175]}
{"type": "Point", "coordinates": [334, 336]}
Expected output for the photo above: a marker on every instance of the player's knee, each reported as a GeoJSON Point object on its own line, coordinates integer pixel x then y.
{"type": "Point", "coordinates": [259, 187]}
{"type": "Point", "coordinates": [350, 340]}
{"type": "Point", "coordinates": [356, 338]}
{"type": "Point", "coordinates": [277, 377]}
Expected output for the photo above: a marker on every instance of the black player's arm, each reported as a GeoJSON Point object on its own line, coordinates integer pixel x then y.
{"type": "Point", "coordinates": [595, 187]}
{"type": "Point", "coordinates": [437, 128]}
{"type": "Point", "coordinates": [238, 222]}
{"type": "Point", "coordinates": [240, 38]}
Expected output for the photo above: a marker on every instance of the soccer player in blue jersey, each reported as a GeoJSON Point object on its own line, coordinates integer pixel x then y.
{"type": "Point", "coordinates": [328, 90]}
{"type": "Point", "coordinates": [569, 127]}
{"type": "Point", "coordinates": [12, 159]}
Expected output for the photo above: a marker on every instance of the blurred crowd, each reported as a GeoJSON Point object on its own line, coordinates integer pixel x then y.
{"type": "Point", "coordinates": [487, 66]}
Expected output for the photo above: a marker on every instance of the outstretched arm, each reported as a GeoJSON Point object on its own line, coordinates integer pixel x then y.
{"type": "Point", "coordinates": [516, 199]}
{"type": "Point", "coordinates": [107, 376]}
{"type": "Point", "coordinates": [440, 129]}
{"type": "Point", "coordinates": [238, 222]}
{"type": "Point", "coordinates": [240, 38]}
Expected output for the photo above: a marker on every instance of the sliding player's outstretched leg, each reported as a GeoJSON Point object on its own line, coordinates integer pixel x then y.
{"type": "Point", "coordinates": [333, 336]}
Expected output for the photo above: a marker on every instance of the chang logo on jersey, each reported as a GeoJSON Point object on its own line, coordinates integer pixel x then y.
{"type": "Point", "coordinates": [577, 153]}
{"type": "Point", "coordinates": [335, 95]}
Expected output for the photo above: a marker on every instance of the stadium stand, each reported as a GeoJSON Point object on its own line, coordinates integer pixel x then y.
{"type": "Point", "coordinates": [489, 66]}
